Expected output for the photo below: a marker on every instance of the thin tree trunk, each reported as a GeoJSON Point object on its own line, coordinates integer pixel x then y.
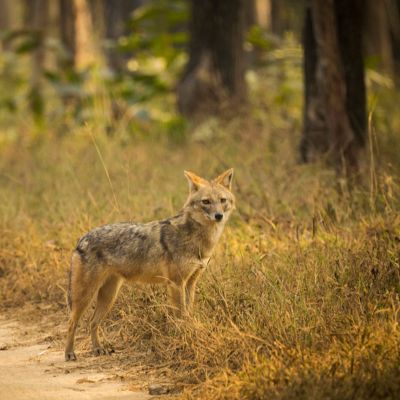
{"type": "Point", "coordinates": [37, 12]}
{"type": "Point", "coordinates": [67, 31]}
{"type": "Point", "coordinates": [393, 7]}
{"type": "Point", "coordinates": [263, 13]}
{"type": "Point", "coordinates": [77, 34]}
{"type": "Point", "coordinates": [250, 13]}
{"type": "Point", "coordinates": [214, 74]}
{"type": "Point", "coordinates": [335, 114]}
{"type": "Point", "coordinates": [116, 15]}
{"type": "Point", "coordinates": [276, 17]}
{"type": "Point", "coordinates": [377, 34]}
{"type": "Point", "coordinates": [330, 76]}
{"type": "Point", "coordinates": [86, 51]}
{"type": "Point", "coordinates": [314, 138]}
{"type": "Point", "coordinates": [5, 23]}
{"type": "Point", "coordinates": [350, 19]}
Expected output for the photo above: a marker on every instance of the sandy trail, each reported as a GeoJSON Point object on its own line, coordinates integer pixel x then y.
{"type": "Point", "coordinates": [30, 370]}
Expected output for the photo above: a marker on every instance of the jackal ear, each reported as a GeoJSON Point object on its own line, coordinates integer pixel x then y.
{"type": "Point", "coordinates": [225, 179]}
{"type": "Point", "coordinates": [195, 182]}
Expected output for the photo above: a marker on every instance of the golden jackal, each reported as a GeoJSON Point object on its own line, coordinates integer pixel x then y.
{"type": "Point", "coordinates": [174, 252]}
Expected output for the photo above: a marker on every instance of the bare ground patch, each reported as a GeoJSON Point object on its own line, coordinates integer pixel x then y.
{"type": "Point", "coordinates": [32, 366]}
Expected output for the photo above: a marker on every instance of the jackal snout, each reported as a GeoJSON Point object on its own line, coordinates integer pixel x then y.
{"type": "Point", "coordinates": [218, 216]}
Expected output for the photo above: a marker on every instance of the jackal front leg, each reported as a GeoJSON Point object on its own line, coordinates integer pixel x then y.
{"type": "Point", "coordinates": [190, 289]}
{"type": "Point", "coordinates": [178, 299]}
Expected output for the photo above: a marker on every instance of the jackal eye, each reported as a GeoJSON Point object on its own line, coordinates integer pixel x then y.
{"type": "Point", "coordinates": [206, 201]}
{"type": "Point", "coordinates": [223, 200]}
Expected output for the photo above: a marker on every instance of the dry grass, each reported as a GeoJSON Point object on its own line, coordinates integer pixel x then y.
{"type": "Point", "coordinates": [302, 298]}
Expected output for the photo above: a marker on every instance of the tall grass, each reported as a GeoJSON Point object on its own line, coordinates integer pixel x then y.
{"type": "Point", "coordinates": [301, 299]}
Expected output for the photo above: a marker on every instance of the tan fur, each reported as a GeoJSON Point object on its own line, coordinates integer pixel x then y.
{"type": "Point", "coordinates": [173, 252]}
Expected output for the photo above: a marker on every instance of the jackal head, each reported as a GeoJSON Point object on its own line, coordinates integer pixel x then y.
{"type": "Point", "coordinates": [210, 201]}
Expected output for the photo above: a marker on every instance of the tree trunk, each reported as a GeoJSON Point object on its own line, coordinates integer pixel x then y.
{"type": "Point", "coordinates": [5, 23]}
{"type": "Point", "coordinates": [77, 34]}
{"type": "Point", "coordinates": [37, 12]}
{"type": "Point", "coordinates": [86, 50]}
{"type": "Point", "coordinates": [67, 32]}
{"type": "Point", "coordinates": [335, 114]}
{"type": "Point", "coordinates": [250, 13]}
{"type": "Point", "coordinates": [394, 17]}
{"type": "Point", "coordinates": [214, 74]}
{"type": "Point", "coordinates": [314, 138]}
{"type": "Point", "coordinates": [350, 18]}
{"type": "Point", "coordinates": [263, 13]}
{"type": "Point", "coordinates": [116, 15]}
{"type": "Point", "coordinates": [377, 35]}
{"type": "Point", "coordinates": [276, 17]}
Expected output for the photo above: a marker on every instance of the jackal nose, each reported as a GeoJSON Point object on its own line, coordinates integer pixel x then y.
{"type": "Point", "coordinates": [218, 216]}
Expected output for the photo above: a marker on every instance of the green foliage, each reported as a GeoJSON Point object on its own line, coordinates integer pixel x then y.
{"type": "Point", "coordinates": [260, 39]}
{"type": "Point", "coordinates": [154, 49]}
{"type": "Point", "coordinates": [158, 30]}
{"type": "Point", "coordinates": [21, 40]}
{"type": "Point", "coordinates": [155, 46]}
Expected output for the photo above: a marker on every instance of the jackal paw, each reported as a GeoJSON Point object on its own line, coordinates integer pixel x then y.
{"type": "Point", "coordinates": [102, 351]}
{"type": "Point", "coordinates": [70, 356]}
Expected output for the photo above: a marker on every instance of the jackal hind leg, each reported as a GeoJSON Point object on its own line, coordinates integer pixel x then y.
{"type": "Point", "coordinates": [83, 289]}
{"type": "Point", "coordinates": [106, 297]}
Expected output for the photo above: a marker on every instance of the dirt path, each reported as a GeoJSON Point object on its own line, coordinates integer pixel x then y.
{"type": "Point", "coordinates": [31, 369]}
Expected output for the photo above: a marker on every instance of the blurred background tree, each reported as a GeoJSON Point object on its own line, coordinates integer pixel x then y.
{"type": "Point", "coordinates": [36, 21]}
{"type": "Point", "coordinates": [335, 119]}
{"type": "Point", "coordinates": [214, 73]}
